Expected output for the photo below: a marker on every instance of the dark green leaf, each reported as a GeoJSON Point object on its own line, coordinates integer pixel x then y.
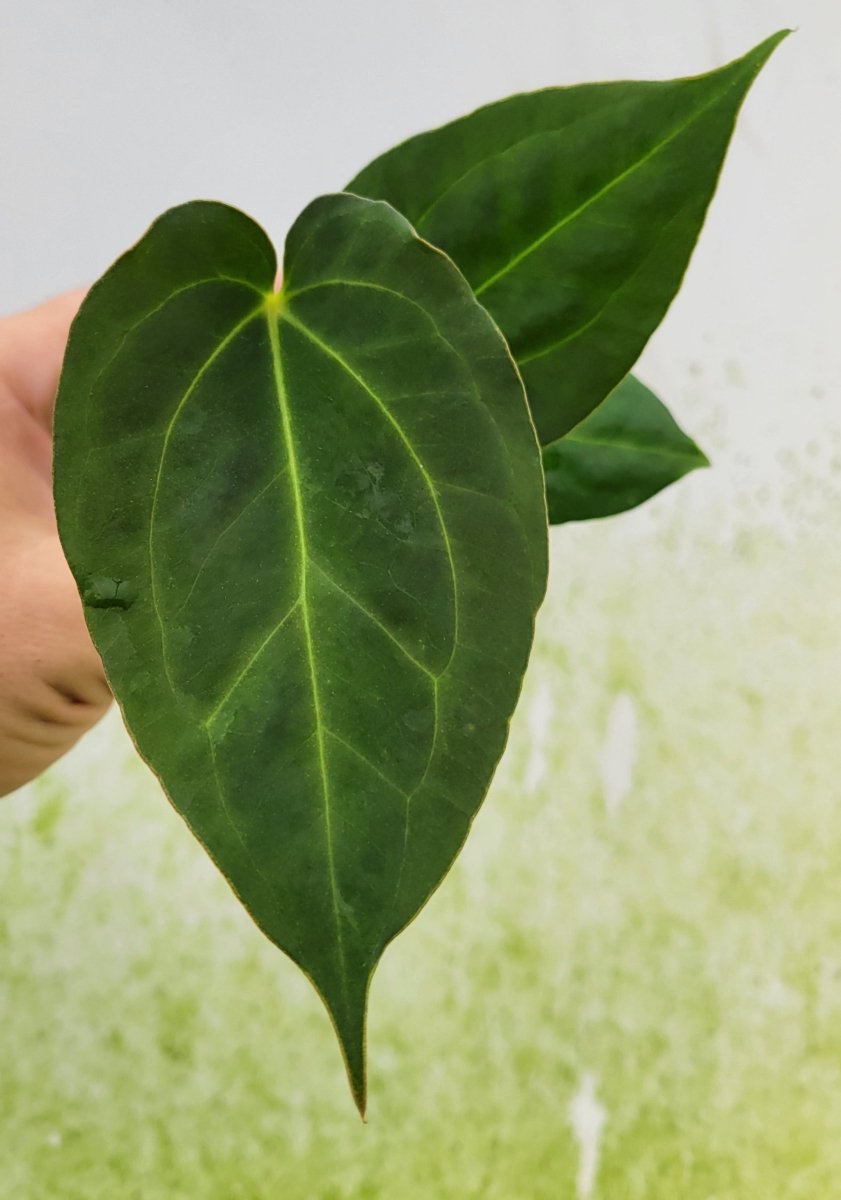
{"type": "Point", "coordinates": [627, 450]}
{"type": "Point", "coordinates": [573, 213]}
{"type": "Point", "coordinates": [310, 535]}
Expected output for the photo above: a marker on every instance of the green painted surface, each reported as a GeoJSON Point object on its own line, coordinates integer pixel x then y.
{"type": "Point", "coordinates": [680, 944]}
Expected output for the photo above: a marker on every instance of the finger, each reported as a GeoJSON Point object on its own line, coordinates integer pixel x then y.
{"type": "Point", "coordinates": [52, 685]}
{"type": "Point", "coordinates": [31, 351]}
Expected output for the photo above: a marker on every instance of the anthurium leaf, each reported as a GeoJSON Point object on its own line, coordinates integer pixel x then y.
{"type": "Point", "coordinates": [627, 450]}
{"type": "Point", "coordinates": [309, 530]}
{"type": "Point", "coordinates": [573, 213]}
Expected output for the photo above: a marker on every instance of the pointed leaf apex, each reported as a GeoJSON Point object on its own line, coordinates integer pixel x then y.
{"type": "Point", "coordinates": [760, 54]}
{"type": "Point", "coordinates": [347, 1006]}
{"type": "Point", "coordinates": [774, 40]}
{"type": "Point", "coordinates": [354, 1055]}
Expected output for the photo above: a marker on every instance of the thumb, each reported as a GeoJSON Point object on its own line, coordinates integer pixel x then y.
{"type": "Point", "coordinates": [31, 351]}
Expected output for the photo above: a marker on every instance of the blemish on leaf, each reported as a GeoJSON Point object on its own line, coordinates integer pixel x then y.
{"type": "Point", "coordinates": [419, 719]}
{"type": "Point", "coordinates": [101, 591]}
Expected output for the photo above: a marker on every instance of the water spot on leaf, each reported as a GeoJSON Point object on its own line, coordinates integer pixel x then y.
{"type": "Point", "coordinates": [404, 526]}
{"type": "Point", "coordinates": [362, 486]}
{"type": "Point", "coordinates": [102, 591]}
{"type": "Point", "coordinates": [418, 719]}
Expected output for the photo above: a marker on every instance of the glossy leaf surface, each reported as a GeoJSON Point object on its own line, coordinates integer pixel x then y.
{"type": "Point", "coordinates": [572, 212]}
{"type": "Point", "coordinates": [627, 450]}
{"type": "Point", "coordinates": [310, 534]}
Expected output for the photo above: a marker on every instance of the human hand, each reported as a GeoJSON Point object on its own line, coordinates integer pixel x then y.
{"type": "Point", "coordinates": [52, 685]}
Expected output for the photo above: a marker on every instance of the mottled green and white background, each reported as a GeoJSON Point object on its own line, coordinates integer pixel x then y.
{"type": "Point", "coordinates": [629, 988]}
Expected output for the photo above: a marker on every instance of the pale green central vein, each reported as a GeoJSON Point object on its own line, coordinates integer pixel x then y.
{"type": "Point", "coordinates": [300, 523]}
{"type": "Point", "coordinates": [595, 197]}
{"type": "Point", "coordinates": [433, 492]}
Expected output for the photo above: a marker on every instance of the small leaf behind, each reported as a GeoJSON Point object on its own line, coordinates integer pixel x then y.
{"type": "Point", "coordinates": [573, 213]}
{"type": "Point", "coordinates": [626, 451]}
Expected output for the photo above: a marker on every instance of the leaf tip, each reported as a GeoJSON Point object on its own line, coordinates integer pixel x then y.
{"type": "Point", "coordinates": [761, 53]}
{"type": "Point", "coordinates": [360, 1098]}
{"type": "Point", "coordinates": [744, 70]}
{"type": "Point", "coordinates": [700, 461]}
{"type": "Point", "coordinates": [354, 1054]}
{"type": "Point", "coordinates": [347, 1008]}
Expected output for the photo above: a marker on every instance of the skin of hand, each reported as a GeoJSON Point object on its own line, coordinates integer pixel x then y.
{"type": "Point", "coordinates": [52, 685]}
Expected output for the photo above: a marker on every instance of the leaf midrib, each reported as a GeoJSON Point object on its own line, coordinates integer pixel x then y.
{"type": "Point", "coordinates": [328, 350]}
{"type": "Point", "coordinates": [269, 308]}
{"type": "Point", "coordinates": [272, 320]}
{"type": "Point", "coordinates": [436, 677]}
{"type": "Point", "coordinates": [479, 289]}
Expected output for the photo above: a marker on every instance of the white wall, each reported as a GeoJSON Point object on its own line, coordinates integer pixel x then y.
{"type": "Point", "coordinates": [113, 112]}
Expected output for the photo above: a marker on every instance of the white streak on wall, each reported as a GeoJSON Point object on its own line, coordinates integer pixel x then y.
{"type": "Point", "coordinates": [587, 1117]}
{"type": "Point", "coordinates": [619, 752]}
{"type": "Point", "coordinates": [540, 727]}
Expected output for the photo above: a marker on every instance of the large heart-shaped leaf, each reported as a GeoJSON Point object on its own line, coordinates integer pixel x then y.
{"type": "Point", "coordinates": [310, 534]}
{"type": "Point", "coordinates": [572, 212]}
{"type": "Point", "coordinates": [627, 450]}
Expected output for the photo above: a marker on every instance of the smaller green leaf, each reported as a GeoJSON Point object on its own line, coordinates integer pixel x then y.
{"type": "Point", "coordinates": [625, 452]}
{"type": "Point", "coordinates": [573, 213]}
